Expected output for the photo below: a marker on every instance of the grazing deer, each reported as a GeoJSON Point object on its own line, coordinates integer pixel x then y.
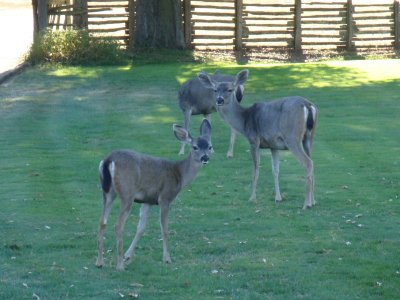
{"type": "Point", "coordinates": [284, 124]}
{"type": "Point", "coordinates": [148, 180]}
{"type": "Point", "coordinates": [195, 99]}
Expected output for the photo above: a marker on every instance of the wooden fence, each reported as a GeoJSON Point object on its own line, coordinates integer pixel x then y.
{"type": "Point", "coordinates": [247, 24]}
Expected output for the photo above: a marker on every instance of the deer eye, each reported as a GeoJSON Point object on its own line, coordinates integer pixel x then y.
{"type": "Point", "coordinates": [230, 90]}
{"type": "Point", "coordinates": [215, 90]}
{"type": "Point", "coordinates": [195, 148]}
{"type": "Point", "coordinates": [210, 148]}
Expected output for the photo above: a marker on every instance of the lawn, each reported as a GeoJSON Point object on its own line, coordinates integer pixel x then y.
{"type": "Point", "coordinates": [57, 123]}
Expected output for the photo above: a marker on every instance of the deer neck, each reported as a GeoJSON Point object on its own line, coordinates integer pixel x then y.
{"type": "Point", "coordinates": [233, 114]}
{"type": "Point", "coordinates": [188, 169]}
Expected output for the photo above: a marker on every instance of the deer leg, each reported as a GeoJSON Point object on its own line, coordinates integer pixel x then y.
{"type": "Point", "coordinates": [255, 153]}
{"type": "Point", "coordinates": [307, 164]}
{"type": "Point", "coordinates": [108, 199]}
{"type": "Point", "coordinates": [143, 217]}
{"type": "Point", "coordinates": [307, 143]}
{"type": "Point", "coordinates": [208, 117]}
{"type": "Point", "coordinates": [119, 229]}
{"type": "Point", "coordinates": [186, 116]}
{"type": "Point", "coordinates": [164, 209]}
{"type": "Point", "coordinates": [275, 173]}
{"type": "Point", "coordinates": [231, 143]}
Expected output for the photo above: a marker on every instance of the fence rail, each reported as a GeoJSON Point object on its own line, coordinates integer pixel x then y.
{"type": "Point", "coordinates": [247, 24]}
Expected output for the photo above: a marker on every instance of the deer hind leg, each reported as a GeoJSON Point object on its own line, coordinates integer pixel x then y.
{"type": "Point", "coordinates": [143, 217]}
{"type": "Point", "coordinates": [307, 143]}
{"type": "Point", "coordinates": [300, 154]}
{"type": "Point", "coordinates": [126, 205]}
{"type": "Point", "coordinates": [186, 116]}
{"type": "Point", "coordinates": [108, 199]}
{"type": "Point", "coordinates": [275, 173]}
{"type": "Point", "coordinates": [255, 154]}
{"type": "Point", "coordinates": [231, 143]}
{"type": "Point", "coordinates": [164, 210]}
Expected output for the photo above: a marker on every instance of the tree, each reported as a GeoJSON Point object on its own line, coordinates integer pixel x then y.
{"type": "Point", "coordinates": [159, 24]}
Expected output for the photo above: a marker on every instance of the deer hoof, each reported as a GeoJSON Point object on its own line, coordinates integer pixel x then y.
{"type": "Point", "coordinates": [253, 199]}
{"type": "Point", "coordinates": [167, 260]}
{"type": "Point", "coordinates": [99, 263]}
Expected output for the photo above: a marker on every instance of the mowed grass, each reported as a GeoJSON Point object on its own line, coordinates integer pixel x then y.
{"type": "Point", "coordinates": [58, 123]}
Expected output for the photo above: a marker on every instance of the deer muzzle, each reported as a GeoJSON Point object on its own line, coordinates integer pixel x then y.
{"type": "Point", "coordinates": [204, 159]}
{"type": "Point", "coordinates": [220, 101]}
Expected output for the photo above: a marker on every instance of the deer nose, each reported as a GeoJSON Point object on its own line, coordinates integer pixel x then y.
{"type": "Point", "coordinates": [204, 159]}
{"type": "Point", "coordinates": [220, 100]}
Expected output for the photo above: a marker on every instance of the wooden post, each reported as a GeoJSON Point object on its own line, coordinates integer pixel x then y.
{"type": "Point", "coordinates": [239, 25]}
{"type": "Point", "coordinates": [80, 17]}
{"type": "Point", "coordinates": [297, 26]}
{"type": "Point", "coordinates": [350, 27]}
{"type": "Point", "coordinates": [187, 23]}
{"type": "Point", "coordinates": [80, 14]}
{"type": "Point", "coordinates": [131, 24]}
{"type": "Point", "coordinates": [396, 24]}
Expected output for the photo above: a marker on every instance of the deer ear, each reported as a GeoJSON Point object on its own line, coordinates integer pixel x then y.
{"type": "Point", "coordinates": [205, 128]}
{"type": "Point", "coordinates": [241, 77]}
{"type": "Point", "coordinates": [206, 80]}
{"type": "Point", "coordinates": [239, 92]}
{"type": "Point", "coordinates": [181, 134]}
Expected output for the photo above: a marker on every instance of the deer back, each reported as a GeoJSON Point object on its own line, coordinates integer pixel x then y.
{"type": "Point", "coordinates": [278, 121]}
{"type": "Point", "coordinates": [142, 177]}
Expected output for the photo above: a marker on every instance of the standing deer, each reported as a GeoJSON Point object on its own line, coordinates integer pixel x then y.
{"type": "Point", "coordinates": [195, 99]}
{"type": "Point", "coordinates": [148, 180]}
{"type": "Point", "coordinates": [284, 124]}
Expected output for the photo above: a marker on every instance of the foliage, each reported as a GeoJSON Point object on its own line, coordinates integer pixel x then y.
{"type": "Point", "coordinates": [75, 47]}
{"type": "Point", "coordinates": [58, 122]}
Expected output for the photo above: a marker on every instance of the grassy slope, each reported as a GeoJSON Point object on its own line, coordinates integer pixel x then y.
{"type": "Point", "coordinates": [58, 123]}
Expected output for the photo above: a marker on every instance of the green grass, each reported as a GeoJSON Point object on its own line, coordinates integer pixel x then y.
{"type": "Point", "coordinates": [58, 122]}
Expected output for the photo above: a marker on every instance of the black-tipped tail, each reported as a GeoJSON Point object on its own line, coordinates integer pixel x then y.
{"type": "Point", "coordinates": [105, 176]}
{"type": "Point", "coordinates": [310, 119]}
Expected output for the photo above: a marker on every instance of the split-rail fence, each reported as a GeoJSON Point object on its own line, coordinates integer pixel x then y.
{"type": "Point", "coordinates": [245, 24]}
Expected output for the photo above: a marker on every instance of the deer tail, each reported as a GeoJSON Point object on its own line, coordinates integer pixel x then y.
{"type": "Point", "coordinates": [105, 175]}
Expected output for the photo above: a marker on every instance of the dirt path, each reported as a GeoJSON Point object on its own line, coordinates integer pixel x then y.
{"type": "Point", "coordinates": [16, 32]}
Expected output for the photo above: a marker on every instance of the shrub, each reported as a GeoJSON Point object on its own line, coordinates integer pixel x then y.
{"type": "Point", "coordinates": [75, 47]}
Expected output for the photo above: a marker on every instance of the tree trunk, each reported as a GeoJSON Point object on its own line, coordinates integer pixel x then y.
{"type": "Point", "coordinates": [159, 24]}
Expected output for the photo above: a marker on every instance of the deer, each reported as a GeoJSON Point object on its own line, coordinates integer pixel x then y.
{"type": "Point", "coordinates": [282, 124]}
{"type": "Point", "coordinates": [149, 181]}
{"type": "Point", "coordinates": [195, 99]}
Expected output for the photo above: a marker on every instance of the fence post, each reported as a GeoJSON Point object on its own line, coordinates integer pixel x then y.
{"type": "Point", "coordinates": [396, 24]}
{"type": "Point", "coordinates": [297, 26]}
{"type": "Point", "coordinates": [187, 23]}
{"type": "Point", "coordinates": [349, 24]}
{"type": "Point", "coordinates": [131, 24]}
{"type": "Point", "coordinates": [80, 17]}
{"type": "Point", "coordinates": [239, 25]}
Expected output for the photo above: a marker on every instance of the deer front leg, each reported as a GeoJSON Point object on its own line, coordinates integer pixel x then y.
{"type": "Point", "coordinates": [275, 173]}
{"type": "Point", "coordinates": [186, 116]}
{"type": "Point", "coordinates": [231, 143]}
{"type": "Point", "coordinates": [143, 217]}
{"type": "Point", "coordinates": [119, 229]}
{"type": "Point", "coordinates": [164, 210]}
{"type": "Point", "coordinates": [255, 154]}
